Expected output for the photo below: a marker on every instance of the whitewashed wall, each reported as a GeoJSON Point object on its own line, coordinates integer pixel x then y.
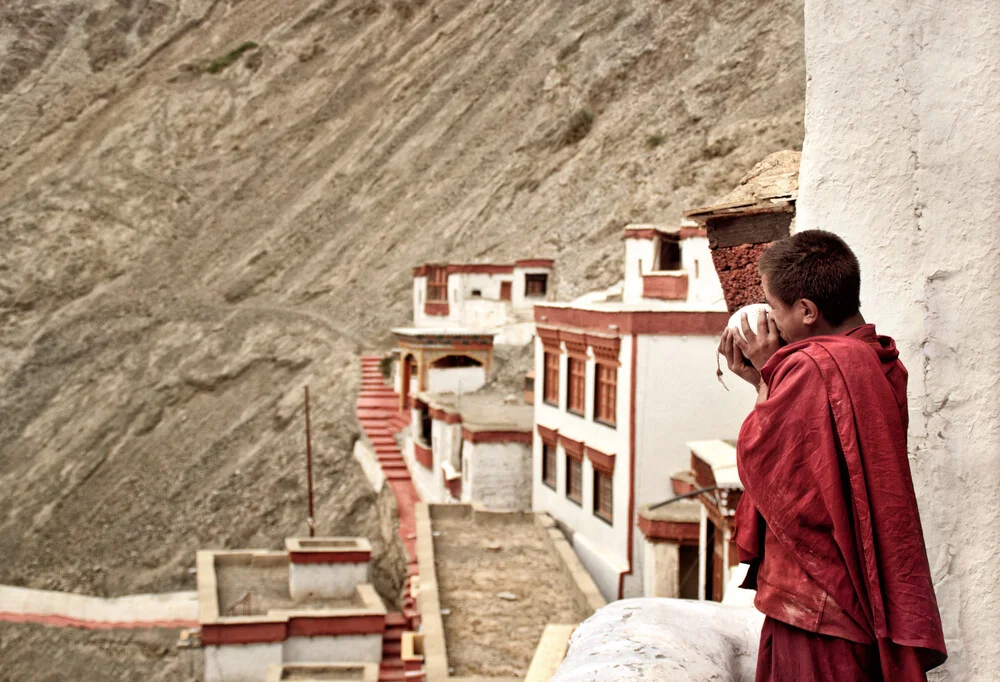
{"type": "Point", "coordinates": [337, 580]}
{"type": "Point", "coordinates": [703, 281]}
{"type": "Point", "coordinates": [603, 547]}
{"type": "Point", "coordinates": [365, 455]}
{"type": "Point", "coordinates": [498, 475]}
{"type": "Point", "coordinates": [902, 158]}
{"type": "Point", "coordinates": [455, 379]}
{"type": "Point", "coordinates": [240, 662]}
{"type": "Point", "coordinates": [341, 649]}
{"type": "Point", "coordinates": [679, 400]}
{"type": "Point", "coordinates": [640, 255]}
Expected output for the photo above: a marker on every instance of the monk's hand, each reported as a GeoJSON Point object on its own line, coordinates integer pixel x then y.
{"type": "Point", "coordinates": [759, 346]}
{"type": "Point", "coordinates": [737, 364]}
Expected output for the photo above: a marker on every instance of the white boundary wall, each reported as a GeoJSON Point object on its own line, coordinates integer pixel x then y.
{"type": "Point", "coordinates": [902, 158]}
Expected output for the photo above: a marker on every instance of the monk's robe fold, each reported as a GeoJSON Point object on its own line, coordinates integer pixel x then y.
{"type": "Point", "coordinates": [823, 462]}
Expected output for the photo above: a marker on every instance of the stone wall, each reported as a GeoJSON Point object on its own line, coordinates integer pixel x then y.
{"type": "Point", "coordinates": [901, 159]}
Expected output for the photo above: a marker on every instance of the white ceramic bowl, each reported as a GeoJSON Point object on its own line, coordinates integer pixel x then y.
{"type": "Point", "coordinates": [752, 311]}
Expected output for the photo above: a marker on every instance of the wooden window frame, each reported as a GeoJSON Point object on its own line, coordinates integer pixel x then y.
{"type": "Point", "coordinates": [602, 494]}
{"type": "Point", "coordinates": [572, 462]}
{"type": "Point", "coordinates": [533, 281]}
{"type": "Point", "coordinates": [550, 459]}
{"type": "Point", "coordinates": [578, 378]}
{"type": "Point", "coordinates": [606, 394]}
{"type": "Point", "coordinates": [550, 378]}
{"type": "Point", "coordinates": [437, 285]}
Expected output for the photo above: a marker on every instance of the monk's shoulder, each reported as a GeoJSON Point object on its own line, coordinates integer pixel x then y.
{"type": "Point", "coordinates": [791, 361]}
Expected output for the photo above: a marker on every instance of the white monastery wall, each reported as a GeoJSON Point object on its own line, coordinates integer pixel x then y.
{"type": "Point", "coordinates": [498, 475]}
{"type": "Point", "coordinates": [602, 547]}
{"type": "Point", "coordinates": [337, 580]}
{"type": "Point", "coordinates": [341, 649]}
{"type": "Point", "coordinates": [365, 456]}
{"type": "Point", "coordinates": [455, 379]}
{"type": "Point", "coordinates": [703, 281]}
{"type": "Point", "coordinates": [484, 315]}
{"type": "Point", "coordinates": [240, 662]}
{"type": "Point", "coordinates": [902, 158]}
{"type": "Point", "coordinates": [515, 334]}
{"type": "Point", "coordinates": [679, 400]}
{"type": "Point", "coordinates": [640, 256]}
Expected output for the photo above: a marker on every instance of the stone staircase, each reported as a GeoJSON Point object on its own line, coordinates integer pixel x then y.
{"type": "Point", "coordinates": [379, 415]}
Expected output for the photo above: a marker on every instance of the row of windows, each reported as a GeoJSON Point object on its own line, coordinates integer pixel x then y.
{"type": "Point", "coordinates": [603, 488]}
{"type": "Point", "coordinates": [605, 387]}
{"type": "Point", "coordinates": [535, 286]}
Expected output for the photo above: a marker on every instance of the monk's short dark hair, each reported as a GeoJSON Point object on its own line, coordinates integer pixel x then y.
{"type": "Point", "coordinates": [817, 265]}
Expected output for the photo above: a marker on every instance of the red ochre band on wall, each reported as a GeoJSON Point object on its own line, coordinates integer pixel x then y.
{"type": "Point", "coordinates": [270, 633]}
{"type": "Point", "coordinates": [496, 436]}
{"type": "Point", "coordinates": [673, 322]}
{"type": "Point", "coordinates": [321, 557]}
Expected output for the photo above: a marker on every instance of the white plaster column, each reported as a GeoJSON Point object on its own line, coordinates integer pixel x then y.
{"type": "Point", "coordinates": [662, 569]}
{"type": "Point", "coordinates": [902, 158]}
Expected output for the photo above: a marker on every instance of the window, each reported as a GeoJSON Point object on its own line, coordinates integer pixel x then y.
{"type": "Point", "coordinates": [425, 425]}
{"type": "Point", "coordinates": [477, 293]}
{"type": "Point", "coordinates": [549, 464]}
{"type": "Point", "coordinates": [670, 254]}
{"type": "Point", "coordinates": [603, 495]}
{"type": "Point", "coordinates": [505, 291]}
{"type": "Point", "coordinates": [536, 285]}
{"type": "Point", "coordinates": [437, 285]}
{"type": "Point", "coordinates": [574, 479]}
{"type": "Point", "coordinates": [453, 361]}
{"type": "Point", "coordinates": [576, 383]}
{"type": "Point", "coordinates": [605, 394]}
{"type": "Point", "coordinates": [551, 378]}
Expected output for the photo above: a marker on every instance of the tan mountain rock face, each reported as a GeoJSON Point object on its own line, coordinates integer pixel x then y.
{"type": "Point", "coordinates": [206, 204]}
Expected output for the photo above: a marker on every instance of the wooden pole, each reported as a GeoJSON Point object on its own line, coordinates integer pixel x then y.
{"type": "Point", "coordinates": [309, 468]}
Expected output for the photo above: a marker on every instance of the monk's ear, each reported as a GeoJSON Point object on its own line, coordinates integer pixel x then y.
{"type": "Point", "coordinates": [808, 311]}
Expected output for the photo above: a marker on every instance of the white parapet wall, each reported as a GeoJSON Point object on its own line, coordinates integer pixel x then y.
{"type": "Point", "coordinates": [901, 159]}
{"type": "Point", "coordinates": [497, 475]}
{"type": "Point", "coordinates": [664, 639]}
{"type": "Point", "coordinates": [327, 567]}
{"type": "Point", "coordinates": [241, 662]}
{"type": "Point", "coordinates": [364, 648]}
{"type": "Point", "coordinates": [364, 453]}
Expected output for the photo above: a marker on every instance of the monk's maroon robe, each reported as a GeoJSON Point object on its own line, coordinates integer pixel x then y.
{"type": "Point", "coordinates": [827, 481]}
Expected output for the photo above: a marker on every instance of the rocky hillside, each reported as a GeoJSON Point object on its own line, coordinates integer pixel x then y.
{"type": "Point", "coordinates": [206, 204]}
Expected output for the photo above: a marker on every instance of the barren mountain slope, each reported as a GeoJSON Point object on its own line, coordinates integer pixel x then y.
{"type": "Point", "coordinates": [206, 204]}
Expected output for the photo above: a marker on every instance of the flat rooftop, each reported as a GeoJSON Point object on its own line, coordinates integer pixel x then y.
{"type": "Point", "coordinates": [499, 586]}
{"type": "Point", "coordinates": [484, 410]}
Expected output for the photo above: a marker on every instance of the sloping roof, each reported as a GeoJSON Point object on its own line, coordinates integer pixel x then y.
{"type": "Point", "coordinates": [772, 182]}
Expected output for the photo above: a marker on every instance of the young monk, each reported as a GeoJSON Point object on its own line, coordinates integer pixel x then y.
{"type": "Point", "coordinates": [828, 521]}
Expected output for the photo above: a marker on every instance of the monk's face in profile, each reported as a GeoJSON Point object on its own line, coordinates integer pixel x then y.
{"type": "Point", "coordinates": [795, 322]}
